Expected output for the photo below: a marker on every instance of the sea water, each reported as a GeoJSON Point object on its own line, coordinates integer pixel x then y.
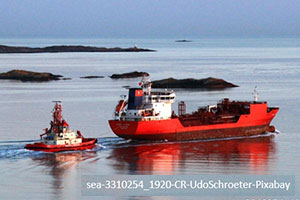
{"type": "Point", "coordinates": [271, 64]}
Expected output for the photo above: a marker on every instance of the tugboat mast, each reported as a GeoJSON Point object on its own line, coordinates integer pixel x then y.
{"type": "Point", "coordinates": [57, 116]}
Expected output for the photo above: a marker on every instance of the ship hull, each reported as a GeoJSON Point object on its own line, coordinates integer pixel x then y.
{"type": "Point", "coordinates": [200, 134]}
{"type": "Point", "coordinates": [87, 143]}
{"type": "Point", "coordinates": [174, 130]}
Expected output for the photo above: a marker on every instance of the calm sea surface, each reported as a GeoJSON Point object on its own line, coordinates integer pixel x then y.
{"type": "Point", "coordinates": [273, 65]}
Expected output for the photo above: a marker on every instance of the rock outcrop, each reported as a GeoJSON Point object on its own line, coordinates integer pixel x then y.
{"type": "Point", "coordinates": [183, 41]}
{"type": "Point", "coordinates": [23, 75]}
{"type": "Point", "coordinates": [92, 77]}
{"type": "Point", "coordinates": [134, 74]}
{"type": "Point", "coordinates": [65, 48]}
{"type": "Point", "coordinates": [206, 83]}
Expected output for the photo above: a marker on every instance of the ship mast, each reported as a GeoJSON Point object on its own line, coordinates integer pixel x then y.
{"type": "Point", "coordinates": [146, 85]}
{"type": "Point", "coordinates": [255, 94]}
{"type": "Point", "coordinates": [57, 116]}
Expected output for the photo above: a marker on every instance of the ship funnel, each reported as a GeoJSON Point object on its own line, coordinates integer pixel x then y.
{"type": "Point", "coordinates": [135, 98]}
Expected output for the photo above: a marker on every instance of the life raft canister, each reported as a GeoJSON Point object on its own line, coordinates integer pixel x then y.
{"type": "Point", "coordinates": [121, 105]}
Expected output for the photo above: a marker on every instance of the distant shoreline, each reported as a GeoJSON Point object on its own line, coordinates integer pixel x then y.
{"type": "Point", "coordinates": [68, 48]}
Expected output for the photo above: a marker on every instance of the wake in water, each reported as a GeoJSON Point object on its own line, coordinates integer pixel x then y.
{"type": "Point", "coordinates": [15, 149]}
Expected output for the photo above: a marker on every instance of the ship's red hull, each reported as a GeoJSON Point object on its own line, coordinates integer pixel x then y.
{"type": "Point", "coordinates": [87, 143]}
{"type": "Point", "coordinates": [172, 129]}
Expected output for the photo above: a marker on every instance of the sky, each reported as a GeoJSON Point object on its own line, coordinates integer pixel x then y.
{"type": "Point", "coordinates": [149, 18]}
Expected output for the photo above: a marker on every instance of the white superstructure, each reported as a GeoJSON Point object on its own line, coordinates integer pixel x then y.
{"type": "Point", "coordinates": [144, 104]}
{"type": "Point", "coordinates": [59, 132]}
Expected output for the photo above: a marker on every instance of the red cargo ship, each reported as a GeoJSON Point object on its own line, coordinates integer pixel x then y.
{"type": "Point", "coordinates": [147, 115]}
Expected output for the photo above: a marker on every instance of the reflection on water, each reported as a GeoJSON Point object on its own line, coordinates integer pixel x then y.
{"type": "Point", "coordinates": [62, 167]}
{"type": "Point", "coordinates": [250, 155]}
{"type": "Point", "coordinates": [58, 174]}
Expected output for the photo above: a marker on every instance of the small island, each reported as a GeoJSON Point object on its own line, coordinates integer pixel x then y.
{"type": "Point", "coordinates": [206, 83]}
{"type": "Point", "coordinates": [66, 48]}
{"type": "Point", "coordinates": [24, 76]}
{"type": "Point", "coordinates": [134, 74]}
{"type": "Point", "coordinates": [91, 77]}
{"type": "Point", "coordinates": [183, 41]}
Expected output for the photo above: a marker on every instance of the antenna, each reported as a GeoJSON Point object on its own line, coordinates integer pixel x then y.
{"type": "Point", "coordinates": [255, 94]}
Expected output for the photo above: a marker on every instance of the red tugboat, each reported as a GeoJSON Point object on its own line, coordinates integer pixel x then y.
{"type": "Point", "coordinates": [59, 137]}
{"type": "Point", "coordinates": [147, 115]}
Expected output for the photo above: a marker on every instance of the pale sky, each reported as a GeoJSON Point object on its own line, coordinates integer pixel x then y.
{"type": "Point", "coordinates": [149, 18]}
